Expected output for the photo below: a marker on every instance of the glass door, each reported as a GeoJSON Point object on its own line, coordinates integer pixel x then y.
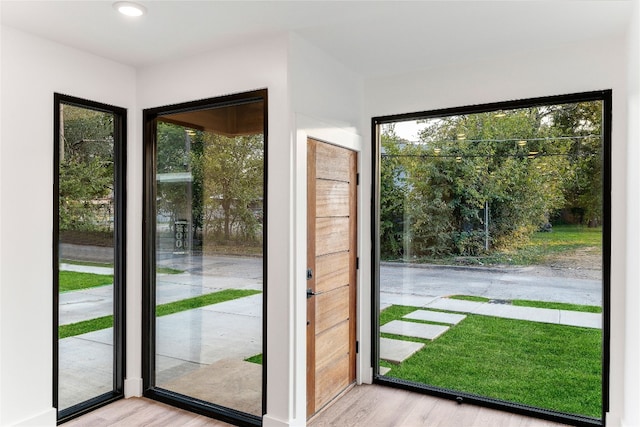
{"type": "Point", "coordinates": [205, 255]}
{"type": "Point", "coordinates": [493, 254]}
{"type": "Point", "coordinates": [88, 265]}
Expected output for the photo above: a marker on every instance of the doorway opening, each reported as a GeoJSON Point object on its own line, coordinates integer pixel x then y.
{"type": "Point", "coordinates": [331, 272]}
{"type": "Point", "coordinates": [204, 256]}
{"type": "Point", "coordinates": [89, 240]}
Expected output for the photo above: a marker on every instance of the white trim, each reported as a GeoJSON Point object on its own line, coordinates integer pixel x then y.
{"type": "Point", "coordinates": [46, 418]}
{"type": "Point", "coordinates": [132, 387]}
{"type": "Point", "coordinates": [346, 137]}
{"type": "Point", "coordinates": [268, 421]}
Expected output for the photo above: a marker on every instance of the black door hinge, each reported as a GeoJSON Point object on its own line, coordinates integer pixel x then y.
{"type": "Point", "coordinates": [357, 179]}
{"type": "Point", "coordinates": [357, 263]}
{"type": "Point", "coordinates": [357, 347]}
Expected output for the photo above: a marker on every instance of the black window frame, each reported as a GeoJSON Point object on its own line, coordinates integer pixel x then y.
{"type": "Point", "coordinates": [191, 404]}
{"type": "Point", "coordinates": [605, 96]}
{"type": "Point", "coordinates": [120, 255]}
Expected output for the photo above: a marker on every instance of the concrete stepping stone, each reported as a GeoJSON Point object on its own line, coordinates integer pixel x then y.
{"type": "Point", "coordinates": [384, 370]}
{"type": "Point", "coordinates": [397, 351]}
{"type": "Point", "coordinates": [412, 329]}
{"type": "Point", "coordinates": [435, 316]}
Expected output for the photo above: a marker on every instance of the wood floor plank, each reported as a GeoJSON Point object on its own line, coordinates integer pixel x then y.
{"type": "Point", "coordinates": [138, 411]}
{"type": "Point", "coordinates": [379, 406]}
{"type": "Point", "coordinates": [362, 406]}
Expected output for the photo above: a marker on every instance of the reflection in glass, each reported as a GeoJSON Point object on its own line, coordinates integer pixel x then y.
{"type": "Point", "coordinates": [209, 255]}
{"type": "Point", "coordinates": [86, 254]}
{"type": "Point", "coordinates": [491, 254]}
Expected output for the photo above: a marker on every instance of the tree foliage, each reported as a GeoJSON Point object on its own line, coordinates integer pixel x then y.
{"type": "Point", "coordinates": [223, 195]}
{"type": "Point", "coordinates": [86, 173]}
{"type": "Point", "coordinates": [527, 165]}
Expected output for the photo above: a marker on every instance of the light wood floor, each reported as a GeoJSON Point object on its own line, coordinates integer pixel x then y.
{"type": "Point", "coordinates": [366, 406]}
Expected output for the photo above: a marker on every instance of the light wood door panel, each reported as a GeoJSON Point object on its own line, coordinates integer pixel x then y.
{"type": "Point", "coordinates": [331, 259]}
{"type": "Point", "coordinates": [332, 345]}
{"type": "Point", "coordinates": [332, 198]}
{"type": "Point", "coordinates": [332, 271]}
{"type": "Point", "coordinates": [332, 308]}
{"type": "Point", "coordinates": [332, 235]}
{"type": "Point", "coordinates": [332, 164]}
{"type": "Point", "coordinates": [332, 381]}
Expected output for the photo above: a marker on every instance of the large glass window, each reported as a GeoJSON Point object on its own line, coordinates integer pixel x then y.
{"type": "Point", "coordinates": [88, 254]}
{"type": "Point", "coordinates": [205, 255]}
{"type": "Point", "coordinates": [492, 243]}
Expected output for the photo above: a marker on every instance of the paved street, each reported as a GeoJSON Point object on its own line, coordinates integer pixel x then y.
{"type": "Point", "coordinates": [409, 285]}
{"type": "Point", "coordinates": [494, 283]}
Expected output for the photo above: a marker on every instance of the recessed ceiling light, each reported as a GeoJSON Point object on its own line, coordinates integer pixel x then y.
{"type": "Point", "coordinates": [129, 8]}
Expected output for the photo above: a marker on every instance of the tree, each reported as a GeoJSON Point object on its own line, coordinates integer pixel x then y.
{"type": "Point", "coordinates": [86, 174]}
{"type": "Point", "coordinates": [233, 172]}
{"type": "Point", "coordinates": [525, 164]}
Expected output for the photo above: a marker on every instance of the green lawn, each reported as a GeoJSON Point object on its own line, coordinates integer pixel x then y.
{"type": "Point", "coordinates": [537, 304]}
{"type": "Point", "coordinates": [563, 238]}
{"type": "Point", "coordinates": [73, 281]}
{"type": "Point", "coordinates": [543, 365]}
{"type": "Point", "coordinates": [98, 323]}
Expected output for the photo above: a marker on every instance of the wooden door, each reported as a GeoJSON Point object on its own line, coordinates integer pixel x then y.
{"type": "Point", "coordinates": [331, 274]}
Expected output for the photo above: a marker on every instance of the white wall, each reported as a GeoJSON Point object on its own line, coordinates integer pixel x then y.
{"type": "Point", "coordinates": [322, 87]}
{"type": "Point", "coordinates": [632, 330]}
{"type": "Point", "coordinates": [326, 102]}
{"type": "Point", "coordinates": [566, 69]}
{"type": "Point", "coordinates": [32, 70]}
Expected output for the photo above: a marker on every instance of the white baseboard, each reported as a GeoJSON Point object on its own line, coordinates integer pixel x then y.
{"type": "Point", "coordinates": [133, 387]}
{"type": "Point", "coordinates": [46, 418]}
{"type": "Point", "coordinates": [268, 421]}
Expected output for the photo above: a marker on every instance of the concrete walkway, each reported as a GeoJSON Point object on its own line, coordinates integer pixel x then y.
{"type": "Point", "coordinates": [186, 342]}
{"type": "Point", "coordinates": [507, 311]}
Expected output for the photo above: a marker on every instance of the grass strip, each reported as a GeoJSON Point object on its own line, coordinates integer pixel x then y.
{"type": "Point", "coordinates": [73, 280]}
{"type": "Point", "coordinates": [168, 270]}
{"type": "Point", "coordinates": [536, 304]}
{"type": "Point", "coordinates": [78, 328]}
{"type": "Point", "coordinates": [469, 298]}
{"type": "Point", "coordinates": [203, 300]}
{"type": "Point", "coordinates": [557, 305]}
{"type": "Point", "coordinates": [162, 270]}
{"type": "Point", "coordinates": [548, 366]}
{"type": "Point", "coordinates": [85, 326]}
{"type": "Point", "coordinates": [87, 263]}
{"type": "Point", "coordinates": [255, 359]}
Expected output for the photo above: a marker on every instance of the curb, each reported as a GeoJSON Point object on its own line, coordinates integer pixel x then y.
{"type": "Point", "coordinates": [498, 269]}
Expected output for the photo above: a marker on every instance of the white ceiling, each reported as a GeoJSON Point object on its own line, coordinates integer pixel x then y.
{"type": "Point", "coordinates": [370, 37]}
